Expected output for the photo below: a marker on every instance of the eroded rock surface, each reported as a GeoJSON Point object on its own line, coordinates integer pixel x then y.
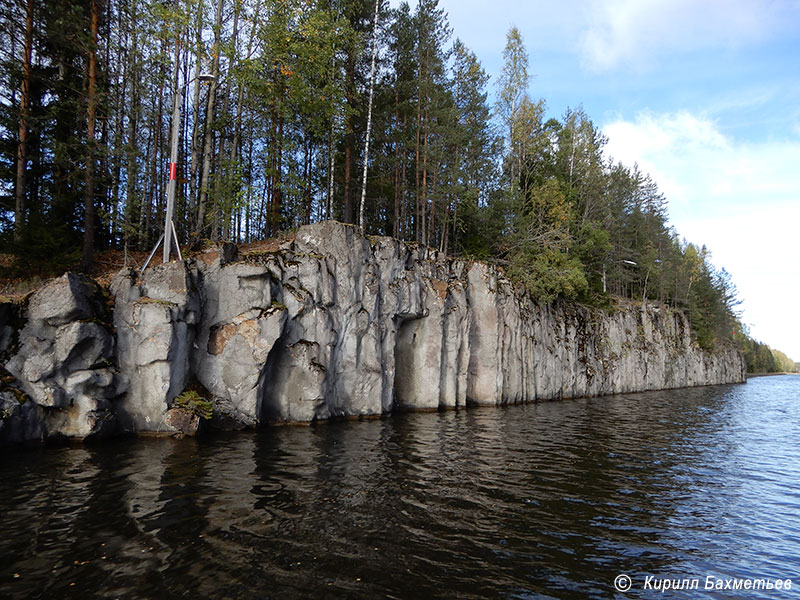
{"type": "Point", "coordinates": [65, 359]}
{"type": "Point", "coordinates": [155, 318]}
{"type": "Point", "coordinates": [332, 324]}
{"type": "Point", "coordinates": [21, 420]}
{"type": "Point", "coordinates": [338, 324]}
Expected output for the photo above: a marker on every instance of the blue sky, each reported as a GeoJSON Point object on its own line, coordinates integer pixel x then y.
{"type": "Point", "coordinates": [705, 96]}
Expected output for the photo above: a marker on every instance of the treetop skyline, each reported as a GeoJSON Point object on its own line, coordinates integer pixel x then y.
{"type": "Point", "coordinates": [467, 163]}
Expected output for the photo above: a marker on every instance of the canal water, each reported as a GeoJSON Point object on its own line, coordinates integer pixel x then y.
{"type": "Point", "coordinates": [551, 500]}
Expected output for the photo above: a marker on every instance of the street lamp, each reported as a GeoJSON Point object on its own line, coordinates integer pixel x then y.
{"type": "Point", "coordinates": [627, 262]}
{"type": "Point", "coordinates": [169, 227]}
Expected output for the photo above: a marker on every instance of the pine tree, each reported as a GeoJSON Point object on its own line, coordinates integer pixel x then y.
{"type": "Point", "coordinates": [512, 96]}
{"type": "Point", "coordinates": [475, 145]}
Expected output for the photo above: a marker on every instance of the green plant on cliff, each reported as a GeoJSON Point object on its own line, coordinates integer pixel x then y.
{"type": "Point", "coordinates": [192, 401]}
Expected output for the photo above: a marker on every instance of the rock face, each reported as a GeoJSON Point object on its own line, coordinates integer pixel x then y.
{"type": "Point", "coordinates": [65, 360]}
{"type": "Point", "coordinates": [20, 422]}
{"type": "Point", "coordinates": [155, 320]}
{"type": "Point", "coordinates": [337, 324]}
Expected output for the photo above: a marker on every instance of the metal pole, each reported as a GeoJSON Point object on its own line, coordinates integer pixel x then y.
{"type": "Point", "coordinates": [173, 158]}
{"type": "Point", "coordinates": [152, 252]}
{"type": "Point", "coordinates": [177, 245]}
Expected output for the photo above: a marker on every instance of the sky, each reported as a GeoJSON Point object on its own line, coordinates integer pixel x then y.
{"type": "Point", "coordinates": [704, 95]}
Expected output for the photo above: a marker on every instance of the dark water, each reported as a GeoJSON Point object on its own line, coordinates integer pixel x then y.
{"type": "Point", "coordinates": [540, 501]}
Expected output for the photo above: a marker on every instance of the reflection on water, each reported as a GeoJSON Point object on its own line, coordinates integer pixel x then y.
{"type": "Point", "coordinates": [540, 501]}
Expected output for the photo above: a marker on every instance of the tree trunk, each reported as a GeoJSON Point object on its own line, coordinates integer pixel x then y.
{"type": "Point", "coordinates": [455, 207]}
{"type": "Point", "coordinates": [396, 224]}
{"type": "Point", "coordinates": [331, 156]}
{"type": "Point", "coordinates": [369, 115]}
{"type": "Point", "coordinates": [269, 174]}
{"type": "Point", "coordinates": [417, 201]}
{"type": "Point", "coordinates": [349, 138]}
{"type": "Point", "coordinates": [445, 226]}
{"type": "Point", "coordinates": [235, 173]}
{"type": "Point", "coordinates": [24, 108]}
{"type": "Point", "coordinates": [424, 190]}
{"type": "Point", "coordinates": [248, 207]}
{"type": "Point", "coordinates": [207, 138]}
{"type": "Point", "coordinates": [433, 232]}
{"type": "Point", "coordinates": [307, 149]}
{"type": "Point", "coordinates": [347, 215]}
{"type": "Point", "coordinates": [278, 199]}
{"type": "Point", "coordinates": [144, 207]}
{"type": "Point", "coordinates": [114, 168]}
{"type": "Point", "coordinates": [89, 214]}
{"type": "Point", "coordinates": [403, 190]}
{"type": "Point", "coordinates": [222, 214]}
{"type": "Point", "coordinates": [197, 131]}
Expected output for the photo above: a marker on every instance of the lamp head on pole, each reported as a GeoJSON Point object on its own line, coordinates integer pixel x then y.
{"type": "Point", "coordinates": [206, 77]}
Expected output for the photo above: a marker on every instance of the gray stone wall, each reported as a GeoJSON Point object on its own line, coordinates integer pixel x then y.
{"type": "Point", "coordinates": [332, 324]}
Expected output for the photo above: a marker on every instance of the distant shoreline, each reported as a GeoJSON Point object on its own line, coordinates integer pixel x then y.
{"type": "Point", "coordinates": [749, 375]}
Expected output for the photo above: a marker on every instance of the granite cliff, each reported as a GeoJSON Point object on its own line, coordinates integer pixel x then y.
{"type": "Point", "coordinates": [329, 324]}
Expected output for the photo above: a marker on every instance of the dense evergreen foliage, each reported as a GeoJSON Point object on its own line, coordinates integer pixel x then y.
{"type": "Point", "coordinates": [274, 138]}
{"type": "Point", "coordinates": [760, 358]}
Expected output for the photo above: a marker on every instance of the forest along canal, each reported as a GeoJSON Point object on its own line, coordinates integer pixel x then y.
{"type": "Point", "coordinates": [542, 500]}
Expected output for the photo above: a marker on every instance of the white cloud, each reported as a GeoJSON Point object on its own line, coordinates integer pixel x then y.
{"type": "Point", "coordinates": [742, 199]}
{"type": "Point", "coordinates": [634, 32]}
{"type": "Point", "coordinates": [695, 164]}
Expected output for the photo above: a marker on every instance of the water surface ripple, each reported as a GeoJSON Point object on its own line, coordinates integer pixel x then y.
{"type": "Point", "coordinates": [547, 500]}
